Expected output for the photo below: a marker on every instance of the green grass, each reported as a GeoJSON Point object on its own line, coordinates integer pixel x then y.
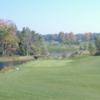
{"type": "Point", "coordinates": [77, 79]}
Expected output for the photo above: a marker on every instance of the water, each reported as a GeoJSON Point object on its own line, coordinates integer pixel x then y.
{"type": "Point", "coordinates": [11, 63]}
{"type": "Point", "coordinates": [61, 54]}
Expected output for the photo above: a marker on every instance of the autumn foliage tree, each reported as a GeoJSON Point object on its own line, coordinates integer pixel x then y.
{"type": "Point", "coordinates": [8, 39]}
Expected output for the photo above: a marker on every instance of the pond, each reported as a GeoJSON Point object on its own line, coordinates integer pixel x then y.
{"type": "Point", "coordinates": [11, 63]}
{"type": "Point", "coordinates": [61, 54]}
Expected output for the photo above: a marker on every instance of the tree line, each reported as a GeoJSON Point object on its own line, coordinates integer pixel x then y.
{"type": "Point", "coordinates": [28, 42]}
{"type": "Point", "coordinates": [16, 42]}
{"type": "Point", "coordinates": [86, 41]}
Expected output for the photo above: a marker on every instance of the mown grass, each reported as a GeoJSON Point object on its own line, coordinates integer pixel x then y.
{"type": "Point", "coordinates": [76, 79]}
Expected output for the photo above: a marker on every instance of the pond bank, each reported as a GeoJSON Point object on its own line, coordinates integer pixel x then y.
{"type": "Point", "coordinates": [13, 61]}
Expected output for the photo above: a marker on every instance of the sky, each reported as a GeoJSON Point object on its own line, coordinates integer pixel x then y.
{"type": "Point", "coordinates": [53, 16]}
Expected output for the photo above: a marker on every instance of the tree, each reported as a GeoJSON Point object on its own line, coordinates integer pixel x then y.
{"type": "Point", "coordinates": [61, 37]}
{"type": "Point", "coordinates": [38, 47]}
{"type": "Point", "coordinates": [92, 48]}
{"type": "Point", "coordinates": [87, 36]}
{"type": "Point", "coordinates": [31, 43]}
{"type": "Point", "coordinates": [71, 37]}
{"type": "Point", "coordinates": [97, 43]}
{"type": "Point", "coordinates": [25, 38]}
{"type": "Point", "coordinates": [8, 39]}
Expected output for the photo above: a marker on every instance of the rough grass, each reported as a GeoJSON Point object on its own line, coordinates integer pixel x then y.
{"type": "Point", "coordinates": [15, 58]}
{"type": "Point", "coordinates": [77, 79]}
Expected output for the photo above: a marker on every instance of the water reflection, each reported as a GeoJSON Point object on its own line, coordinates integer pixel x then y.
{"type": "Point", "coordinates": [11, 63]}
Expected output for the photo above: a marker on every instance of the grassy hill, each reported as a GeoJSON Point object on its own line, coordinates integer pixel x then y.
{"type": "Point", "coordinates": [76, 79]}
